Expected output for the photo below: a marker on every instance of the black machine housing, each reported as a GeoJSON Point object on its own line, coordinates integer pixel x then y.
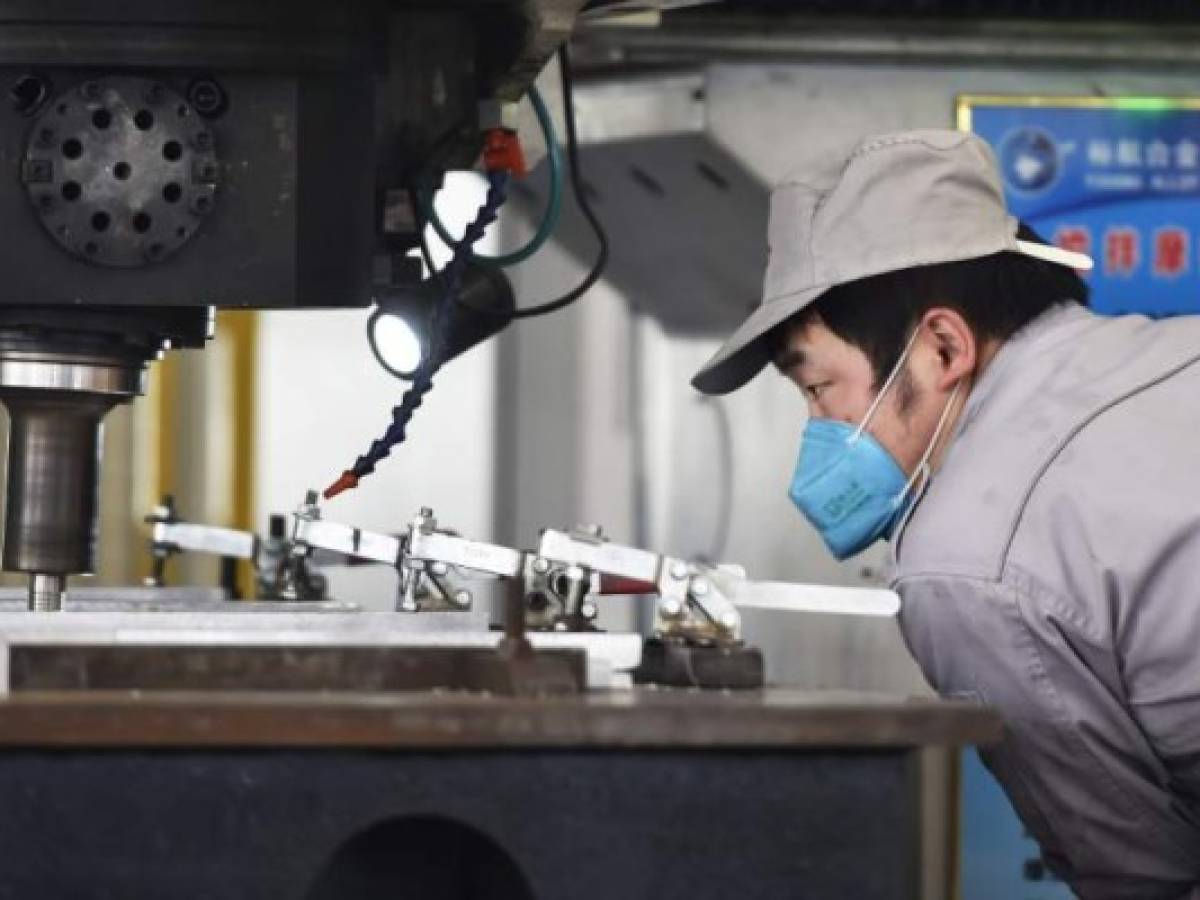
{"type": "Point", "coordinates": [303, 126]}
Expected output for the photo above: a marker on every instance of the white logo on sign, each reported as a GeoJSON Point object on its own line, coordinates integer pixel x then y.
{"type": "Point", "coordinates": [1099, 152]}
{"type": "Point", "coordinates": [1158, 154]}
{"type": "Point", "coordinates": [1187, 154]}
{"type": "Point", "coordinates": [1028, 168]}
{"type": "Point", "coordinates": [1129, 152]}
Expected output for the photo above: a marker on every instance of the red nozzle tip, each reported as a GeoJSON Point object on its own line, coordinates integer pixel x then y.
{"type": "Point", "coordinates": [344, 483]}
{"type": "Point", "coordinates": [502, 152]}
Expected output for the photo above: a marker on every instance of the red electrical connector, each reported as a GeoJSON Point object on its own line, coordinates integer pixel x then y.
{"type": "Point", "coordinates": [502, 152]}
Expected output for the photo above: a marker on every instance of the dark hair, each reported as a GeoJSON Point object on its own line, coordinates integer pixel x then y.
{"type": "Point", "coordinates": [997, 295]}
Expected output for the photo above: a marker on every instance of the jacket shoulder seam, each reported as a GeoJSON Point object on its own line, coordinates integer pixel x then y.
{"type": "Point", "coordinates": [1055, 452]}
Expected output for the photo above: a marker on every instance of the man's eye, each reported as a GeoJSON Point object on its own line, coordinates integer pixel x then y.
{"type": "Point", "coordinates": [816, 390]}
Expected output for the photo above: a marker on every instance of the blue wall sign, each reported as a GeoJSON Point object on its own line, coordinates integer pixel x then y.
{"type": "Point", "coordinates": [1118, 179]}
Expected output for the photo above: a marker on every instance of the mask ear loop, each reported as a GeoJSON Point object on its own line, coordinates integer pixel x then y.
{"type": "Point", "coordinates": [891, 379]}
{"type": "Point", "coordinates": [922, 469]}
{"type": "Point", "coordinates": [923, 466]}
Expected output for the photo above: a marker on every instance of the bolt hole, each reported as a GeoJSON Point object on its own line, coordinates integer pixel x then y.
{"type": "Point", "coordinates": [172, 150]}
{"type": "Point", "coordinates": [144, 119]}
{"type": "Point", "coordinates": [180, 232]}
{"type": "Point", "coordinates": [172, 192]}
{"type": "Point", "coordinates": [100, 221]}
{"type": "Point", "coordinates": [71, 191]}
{"type": "Point", "coordinates": [102, 118]}
{"type": "Point", "coordinates": [91, 248]}
{"type": "Point", "coordinates": [28, 94]}
{"type": "Point", "coordinates": [72, 148]}
{"type": "Point", "coordinates": [121, 171]}
{"type": "Point", "coordinates": [142, 222]}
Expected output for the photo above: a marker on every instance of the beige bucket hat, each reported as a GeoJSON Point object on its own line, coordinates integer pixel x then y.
{"type": "Point", "coordinates": [899, 200]}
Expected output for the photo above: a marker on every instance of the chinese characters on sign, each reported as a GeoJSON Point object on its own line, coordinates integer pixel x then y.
{"type": "Point", "coordinates": [1116, 179]}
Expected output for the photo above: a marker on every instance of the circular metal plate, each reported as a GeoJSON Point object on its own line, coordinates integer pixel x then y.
{"type": "Point", "coordinates": [121, 171]}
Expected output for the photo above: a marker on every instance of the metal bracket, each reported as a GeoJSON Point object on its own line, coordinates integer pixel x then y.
{"type": "Point", "coordinates": [690, 605]}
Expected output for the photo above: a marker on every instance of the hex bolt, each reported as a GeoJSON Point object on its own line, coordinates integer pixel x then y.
{"type": "Point", "coordinates": [202, 140]}
{"type": "Point", "coordinates": [90, 90]}
{"type": "Point", "coordinates": [462, 598]}
{"type": "Point", "coordinates": [588, 610]}
{"type": "Point", "coordinates": [679, 571]}
{"type": "Point", "coordinates": [207, 97]}
{"type": "Point", "coordinates": [670, 608]}
{"type": "Point", "coordinates": [426, 512]}
{"type": "Point", "coordinates": [37, 171]}
{"type": "Point", "coordinates": [204, 172]}
{"type": "Point", "coordinates": [439, 569]}
{"type": "Point", "coordinates": [700, 587]}
{"type": "Point", "coordinates": [541, 566]}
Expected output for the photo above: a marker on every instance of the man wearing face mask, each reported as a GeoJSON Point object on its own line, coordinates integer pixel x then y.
{"type": "Point", "coordinates": [1037, 470]}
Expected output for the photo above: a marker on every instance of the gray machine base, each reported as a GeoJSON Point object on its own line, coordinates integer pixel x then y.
{"type": "Point", "coordinates": [552, 825]}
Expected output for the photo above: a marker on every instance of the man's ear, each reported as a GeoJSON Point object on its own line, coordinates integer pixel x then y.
{"type": "Point", "coordinates": [954, 343]}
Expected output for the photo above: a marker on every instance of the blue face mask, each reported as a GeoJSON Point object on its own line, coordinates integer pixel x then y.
{"type": "Point", "coordinates": [848, 486]}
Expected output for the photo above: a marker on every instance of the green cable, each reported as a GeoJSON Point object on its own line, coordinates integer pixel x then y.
{"type": "Point", "coordinates": [553, 205]}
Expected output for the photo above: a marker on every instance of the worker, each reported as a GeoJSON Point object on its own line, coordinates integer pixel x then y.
{"type": "Point", "coordinates": [1036, 468]}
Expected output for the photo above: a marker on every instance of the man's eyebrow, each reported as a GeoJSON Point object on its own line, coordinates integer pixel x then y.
{"type": "Point", "coordinates": [789, 358]}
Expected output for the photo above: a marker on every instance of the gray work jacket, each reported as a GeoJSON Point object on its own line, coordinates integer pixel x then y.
{"type": "Point", "coordinates": [1052, 570]}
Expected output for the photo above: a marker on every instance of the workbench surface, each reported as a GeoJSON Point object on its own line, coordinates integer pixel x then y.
{"type": "Point", "coordinates": [663, 718]}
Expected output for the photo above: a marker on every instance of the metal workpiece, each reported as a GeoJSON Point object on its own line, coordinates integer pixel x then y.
{"type": "Point", "coordinates": [251, 645]}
